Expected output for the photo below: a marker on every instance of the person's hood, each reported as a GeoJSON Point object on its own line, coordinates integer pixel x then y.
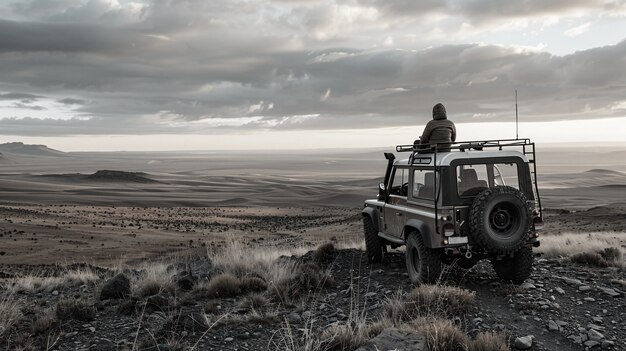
{"type": "Point", "coordinates": [439, 112]}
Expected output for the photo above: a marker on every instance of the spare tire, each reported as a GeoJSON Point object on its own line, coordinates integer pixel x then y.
{"type": "Point", "coordinates": [500, 219]}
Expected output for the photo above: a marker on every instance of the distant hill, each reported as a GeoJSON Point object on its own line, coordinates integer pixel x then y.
{"type": "Point", "coordinates": [120, 176]}
{"type": "Point", "coordinates": [19, 148]}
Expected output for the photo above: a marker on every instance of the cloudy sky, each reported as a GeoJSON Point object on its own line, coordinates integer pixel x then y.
{"type": "Point", "coordinates": [175, 74]}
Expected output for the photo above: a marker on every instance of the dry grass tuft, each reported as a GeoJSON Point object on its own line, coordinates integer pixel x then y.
{"type": "Point", "coordinates": [431, 300]}
{"type": "Point", "coordinates": [607, 244]}
{"type": "Point", "coordinates": [343, 337]}
{"type": "Point", "coordinates": [253, 284]}
{"type": "Point", "coordinates": [223, 286]}
{"type": "Point", "coordinates": [611, 254]}
{"type": "Point", "coordinates": [254, 301]}
{"type": "Point", "coordinates": [35, 283]}
{"type": "Point", "coordinates": [305, 279]}
{"type": "Point", "coordinates": [10, 314]}
{"type": "Point", "coordinates": [244, 261]}
{"type": "Point", "coordinates": [78, 309]}
{"type": "Point", "coordinates": [489, 341]}
{"type": "Point", "coordinates": [43, 323]}
{"type": "Point", "coordinates": [324, 254]}
{"type": "Point", "coordinates": [155, 279]}
{"type": "Point", "coordinates": [589, 259]}
{"type": "Point", "coordinates": [439, 334]}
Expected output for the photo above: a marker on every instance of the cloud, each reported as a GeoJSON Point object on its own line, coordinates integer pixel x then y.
{"type": "Point", "coordinates": [211, 66]}
{"type": "Point", "coordinates": [578, 30]}
{"type": "Point", "coordinates": [19, 96]}
{"type": "Point", "coordinates": [71, 101]}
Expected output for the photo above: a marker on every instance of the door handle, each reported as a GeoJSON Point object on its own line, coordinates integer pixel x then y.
{"type": "Point", "coordinates": [398, 214]}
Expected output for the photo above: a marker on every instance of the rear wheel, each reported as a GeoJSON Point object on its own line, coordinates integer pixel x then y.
{"type": "Point", "coordinates": [422, 263]}
{"type": "Point", "coordinates": [374, 245]}
{"type": "Point", "coordinates": [515, 269]}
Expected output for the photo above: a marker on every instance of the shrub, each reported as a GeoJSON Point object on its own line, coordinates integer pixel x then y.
{"type": "Point", "coordinates": [254, 301]}
{"type": "Point", "coordinates": [78, 309]}
{"type": "Point", "coordinates": [42, 323]}
{"type": "Point", "coordinates": [489, 341]}
{"type": "Point", "coordinates": [253, 284]}
{"type": "Point", "coordinates": [10, 314]}
{"type": "Point", "coordinates": [223, 286]}
{"type": "Point", "coordinates": [611, 254]}
{"type": "Point", "coordinates": [431, 300]}
{"type": "Point", "coordinates": [324, 254]}
{"type": "Point", "coordinates": [589, 259]}
{"type": "Point", "coordinates": [342, 337]}
{"type": "Point", "coordinates": [304, 279]}
{"type": "Point", "coordinates": [150, 287]}
{"type": "Point", "coordinates": [440, 334]}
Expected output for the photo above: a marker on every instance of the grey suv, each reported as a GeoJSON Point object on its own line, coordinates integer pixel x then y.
{"type": "Point", "coordinates": [458, 204]}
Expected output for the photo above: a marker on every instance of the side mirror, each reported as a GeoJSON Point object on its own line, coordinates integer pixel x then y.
{"type": "Point", "coordinates": [382, 193]}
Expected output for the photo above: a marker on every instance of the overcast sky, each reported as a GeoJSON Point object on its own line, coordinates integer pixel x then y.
{"type": "Point", "coordinates": [87, 69]}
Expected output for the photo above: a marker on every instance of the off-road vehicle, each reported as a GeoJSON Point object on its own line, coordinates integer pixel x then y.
{"type": "Point", "coordinates": [457, 204]}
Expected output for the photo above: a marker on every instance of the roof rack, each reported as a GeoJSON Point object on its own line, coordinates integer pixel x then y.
{"type": "Point", "coordinates": [462, 145]}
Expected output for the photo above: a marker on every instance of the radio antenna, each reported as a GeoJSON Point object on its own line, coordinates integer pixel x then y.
{"type": "Point", "coordinates": [516, 119]}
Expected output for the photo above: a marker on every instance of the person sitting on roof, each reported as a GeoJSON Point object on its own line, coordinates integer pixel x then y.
{"type": "Point", "coordinates": [438, 131]}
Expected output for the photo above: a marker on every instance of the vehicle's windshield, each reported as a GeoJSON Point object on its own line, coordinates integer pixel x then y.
{"type": "Point", "coordinates": [472, 179]}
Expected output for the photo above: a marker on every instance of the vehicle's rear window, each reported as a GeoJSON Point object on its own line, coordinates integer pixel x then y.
{"type": "Point", "coordinates": [472, 179]}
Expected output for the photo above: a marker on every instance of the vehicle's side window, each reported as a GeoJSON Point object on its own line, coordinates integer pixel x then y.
{"type": "Point", "coordinates": [423, 184]}
{"type": "Point", "coordinates": [399, 182]}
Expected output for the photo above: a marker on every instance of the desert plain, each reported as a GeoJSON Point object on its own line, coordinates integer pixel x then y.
{"type": "Point", "coordinates": [251, 250]}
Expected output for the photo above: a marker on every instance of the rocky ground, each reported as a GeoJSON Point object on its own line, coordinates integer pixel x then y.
{"type": "Point", "coordinates": [564, 307]}
{"type": "Point", "coordinates": [188, 304]}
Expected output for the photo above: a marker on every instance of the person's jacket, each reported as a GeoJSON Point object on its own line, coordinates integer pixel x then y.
{"type": "Point", "coordinates": [439, 131]}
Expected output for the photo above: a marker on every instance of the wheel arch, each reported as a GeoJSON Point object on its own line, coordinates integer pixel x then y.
{"type": "Point", "coordinates": [373, 215]}
{"type": "Point", "coordinates": [416, 225]}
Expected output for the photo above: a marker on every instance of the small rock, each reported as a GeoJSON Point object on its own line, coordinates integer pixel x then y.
{"type": "Point", "coordinates": [55, 293]}
{"type": "Point", "coordinates": [610, 292]}
{"type": "Point", "coordinates": [575, 338]}
{"type": "Point", "coordinates": [552, 326]}
{"type": "Point", "coordinates": [524, 342]}
{"type": "Point", "coordinates": [584, 288]}
{"type": "Point", "coordinates": [591, 343]}
{"type": "Point", "coordinates": [527, 286]}
{"type": "Point", "coordinates": [589, 299]}
{"type": "Point", "coordinates": [559, 290]}
{"type": "Point", "coordinates": [229, 339]}
{"type": "Point", "coordinates": [595, 335]}
{"type": "Point", "coordinates": [571, 281]}
{"type": "Point", "coordinates": [607, 344]}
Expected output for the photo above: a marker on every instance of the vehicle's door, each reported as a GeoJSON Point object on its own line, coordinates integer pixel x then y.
{"type": "Point", "coordinates": [395, 205]}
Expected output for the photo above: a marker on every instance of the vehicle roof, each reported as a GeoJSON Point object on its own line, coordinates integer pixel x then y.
{"type": "Point", "coordinates": [446, 158]}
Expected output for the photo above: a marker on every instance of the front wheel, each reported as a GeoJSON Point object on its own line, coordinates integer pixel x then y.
{"type": "Point", "coordinates": [374, 245]}
{"type": "Point", "coordinates": [515, 269]}
{"type": "Point", "coordinates": [422, 263]}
